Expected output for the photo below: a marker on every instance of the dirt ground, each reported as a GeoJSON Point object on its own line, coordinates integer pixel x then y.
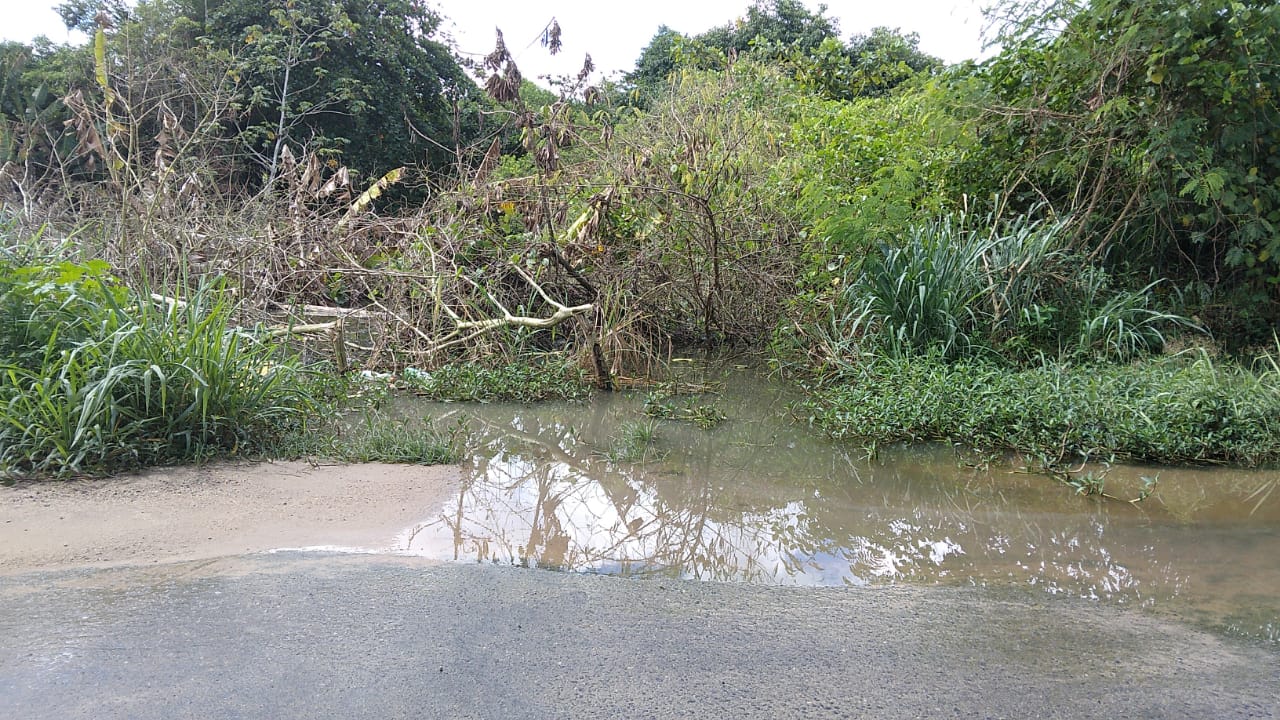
{"type": "Point", "coordinates": [193, 513]}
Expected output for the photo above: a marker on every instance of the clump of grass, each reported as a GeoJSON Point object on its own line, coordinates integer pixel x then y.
{"type": "Point", "coordinates": [920, 294]}
{"type": "Point", "coordinates": [528, 380]}
{"type": "Point", "coordinates": [635, 443]}
{"type": "Point", "coordinates": [1007, 289]}
{"type": "Point", "coordinates": [684, 409]}
{"type": "Point", "coordinates": [1185, 409]}
{"type": "Point", "coordinates": [98, 378]}
{"type": "Point", "coordinates": [383, 440]}
{"type": "Point", "coordinates": [376, 438]}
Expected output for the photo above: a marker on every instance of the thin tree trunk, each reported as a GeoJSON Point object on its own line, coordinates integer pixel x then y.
{"type": "Point", "coordinates": [284, 103]}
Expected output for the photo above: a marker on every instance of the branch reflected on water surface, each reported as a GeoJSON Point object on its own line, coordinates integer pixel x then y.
{"type": "Point", "coordinates": [766, 502]}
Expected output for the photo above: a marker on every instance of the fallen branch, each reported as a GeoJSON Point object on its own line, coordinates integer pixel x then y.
{"type": "Point", "coordinates": [560, 315]}
{"type": "Point", "coordinates": [336, 312]}
{"type": "Point", "coordinates": [303, 329]}
{"type": "Point", "coordinates": [463, 330]}
{"type": "Point", "coordinates": [480, 327]}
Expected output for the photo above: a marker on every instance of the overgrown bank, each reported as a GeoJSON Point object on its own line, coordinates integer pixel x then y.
{"type": "Point", "coordinates": [99, 378]}
{"type": "Point", "coordinates": [95, 376]}
{"type": "Point", "coordinates": [869, 215]}
{"type": "Point", "coordinates": [1181, 409]}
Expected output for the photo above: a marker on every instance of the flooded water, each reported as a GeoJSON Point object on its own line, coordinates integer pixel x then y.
{"type": "Point", "coordinates": [763, 499]}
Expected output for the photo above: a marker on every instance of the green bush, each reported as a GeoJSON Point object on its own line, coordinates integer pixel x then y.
{"type": "Point", "coordinates": [1153, 122]}
{"type": "Point", "coordinates": [96, 378]}
{"type": "Point", "coordinates": [868, 170]}
{"type": "Point", "coordinates": [1009, 289]}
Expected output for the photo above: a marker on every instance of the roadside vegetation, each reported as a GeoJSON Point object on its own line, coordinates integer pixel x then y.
{"type": "Point", "coordinates": [1068, 250]}
{"type": "Point", "coordinates": [1180, 409]}
{"type": "Point", "coordinates": [98, 377]}
{"type": "Point", "coordinates": [373, 437]}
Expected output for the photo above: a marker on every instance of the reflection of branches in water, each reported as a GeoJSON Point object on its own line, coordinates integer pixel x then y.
{"type": "Point", "coordinates": [749, 504]}
{"type": "Point", "coordinates": [549, 506]}
{"type": "Point", "coordinates": [544, 505]}
{"type": "Point", "coordinates": [756, 501]}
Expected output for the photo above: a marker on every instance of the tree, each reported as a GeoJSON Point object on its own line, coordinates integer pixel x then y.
{"type": "Point", "coordinates": [886, 58]}
{"type": "Point", "coordinates": [1153, 123]}
{"type": "Point", "coordinates": [84, 15]}
{"type": "Point", "coordinates": [361, 78]}
{"type": "Point", "coordinates": [778, 23]}
{"type": "Point", "coordinates": [657, 59]}
{"type": "Point", "coordinates": [773, 28]}
{"type": "Point", "coordinates": [869, 66]}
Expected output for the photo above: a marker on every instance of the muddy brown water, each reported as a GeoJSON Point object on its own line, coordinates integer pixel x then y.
{"type": "Point", "coordinates": [763, 499]}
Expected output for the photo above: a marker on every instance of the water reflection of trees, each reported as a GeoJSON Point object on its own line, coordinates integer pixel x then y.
{"type": "Point", "coordinates": [767, 502]}
{"type": "Point", "coordinates": [537, 496]}
{"type": "Point", "coordinates": [737, 506]}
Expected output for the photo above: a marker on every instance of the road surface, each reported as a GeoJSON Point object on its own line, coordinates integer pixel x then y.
{"type": "Point", "coordinates": [307, 635]}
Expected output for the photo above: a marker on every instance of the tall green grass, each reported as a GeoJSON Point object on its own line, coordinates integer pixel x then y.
{"type": "Point", "coordinates": [921, 294]}
{"type": "Point", "coordinates": [96, 377]}
{"type": "Point", "coordinates": [1013, 289]}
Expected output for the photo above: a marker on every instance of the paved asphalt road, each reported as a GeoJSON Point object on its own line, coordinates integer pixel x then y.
{"type": "Point", "coordinates": [307, 636]}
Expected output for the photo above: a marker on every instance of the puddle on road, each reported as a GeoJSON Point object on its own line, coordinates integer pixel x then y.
{"type": "Point", "coordinates": [762, 499]}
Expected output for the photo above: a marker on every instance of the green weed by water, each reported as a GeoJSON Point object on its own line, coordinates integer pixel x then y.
{"type": "Point", "coordinates": [376, 438]}
{"type": "Point", "coordinates": [685, 409]}
{"type": "Point", "coordinates": [1088, 483]}
{"type": "Point", "coordinates": [528, 380]}
{"type": "Point", "coordinates": [1094, 483]}
{"type": "Point", "coordinates": [636, 442]}
{"type": "Point", "coordinates": [1186, 409]}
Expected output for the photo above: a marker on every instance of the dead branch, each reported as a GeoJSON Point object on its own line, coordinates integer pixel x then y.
{"type": "Point", "coordinates": [303, 329]}
{"type": "Point", "coordinates": [478, 327]}
{"type": "Point", "coordinates": [463, 330]}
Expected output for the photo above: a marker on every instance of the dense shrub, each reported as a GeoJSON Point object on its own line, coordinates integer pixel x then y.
{"type": "Point", "coordinates": [1153, 123]}
{"type": "Point", "coordinates": [1010, 289]}
{"type": "Point", "coordinates": [95, 377]}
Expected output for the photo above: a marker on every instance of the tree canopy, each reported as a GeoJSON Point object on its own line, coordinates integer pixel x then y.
{"type": "Point", "coordinates": [366, 78]}
{"type": "Point", "coordinates": [363, 82]}
{"type": "Point", "coordinates": [787, 31]}
{"type": "Point", "coordinates": [1155, 123]}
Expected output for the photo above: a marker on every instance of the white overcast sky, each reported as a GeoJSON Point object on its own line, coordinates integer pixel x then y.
{"type": "Point", "coordinates": [614, 32]}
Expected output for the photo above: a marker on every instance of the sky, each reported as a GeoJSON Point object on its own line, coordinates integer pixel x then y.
{"type": "Point", "coordinates": [950, 29]}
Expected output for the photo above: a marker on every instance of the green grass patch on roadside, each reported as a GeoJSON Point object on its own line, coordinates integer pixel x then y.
{"type": "Point", "coordinates": [375, 438]}
{"type": "Point", "coordinates": [96, 377]}
{"type": "Point", "coordinates": [533, 379]}
{"type": "Point", "coordinates": [1182, 409]}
